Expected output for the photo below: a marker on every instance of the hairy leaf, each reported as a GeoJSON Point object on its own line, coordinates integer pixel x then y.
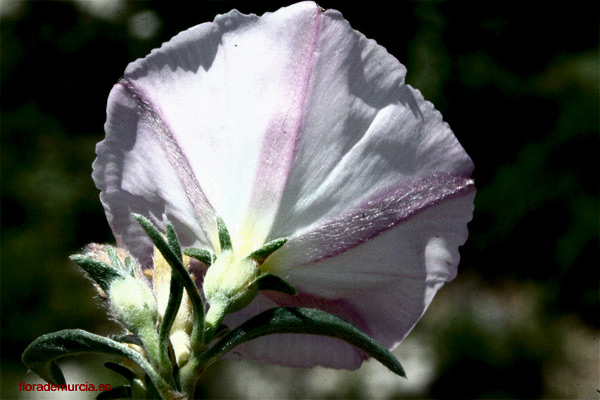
{"type": "Point", "coordinates": [273, 282]}
{"type": "Point", "coordinates": [41, 355]}
{"type": "Point", "coordinates": [301, 320]}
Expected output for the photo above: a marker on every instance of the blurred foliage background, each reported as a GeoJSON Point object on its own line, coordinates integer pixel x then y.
{"type": "Point", "coordinates": [518, 83]}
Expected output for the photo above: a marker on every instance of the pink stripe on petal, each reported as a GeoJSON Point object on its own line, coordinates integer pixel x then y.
{"type": "Point", "coordinates": [204, 211]}
{"type": "Point", "coordinates": [378, 214]}
{"type": "Point", "coordinates": [278, 144]}
{"type": "Point", "coordinates": [391, 278]}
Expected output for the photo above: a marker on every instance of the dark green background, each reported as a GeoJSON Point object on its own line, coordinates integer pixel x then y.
{"type": "Point", "coordinates": [518, 83]}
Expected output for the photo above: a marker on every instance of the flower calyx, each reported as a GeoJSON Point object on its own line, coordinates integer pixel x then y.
{"type": "Point", "coordinates": [232, 282]}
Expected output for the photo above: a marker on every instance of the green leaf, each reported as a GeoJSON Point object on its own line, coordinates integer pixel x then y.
{"type": "Point", "coordinates": [119, 392]}
{"type": "Point", "coordinates": [177, 266]}
{"type": "Point", "coordinates": [121, 370]}
{"type": "Point", "coordinates": [301, 320]}
{"type": "Point", "coordinates": [221, 330]}
{"type": "Point", "coordinates": [102, 273]}
{"type": "Point", "coordinates": [173, 240]}
{"type": "Point", "coordinates": [224, 237]}
{"type": "Point", "coordinates": [273, 282]}
{"type": "Point", "coordinates": [160, 242]}
{"type": "Point", "coordinates": [131, 339]}
{"type": "Point", "coordinates": [41, 355]}
{"type": "Point", "coordinates": [151, 390]}
{"type": "Point", "coordinates": [173, 304]}
{"type": "Point", "coordinates": [175, 295]}
{"type": "Point", "coordinates": [204, 256]}
{"type": "Point", "coordinates": [264, 252]}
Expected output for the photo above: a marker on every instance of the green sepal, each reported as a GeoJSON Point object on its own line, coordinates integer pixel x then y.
{"type": "Point", "coordinates": [204, 256]}
{"type": "Point", "coordinates": [99, 271]}
{"type": "Point", "coordinates": [264, 252]}
{"type": "Point", "coordinates": [119, 392]}
{"type": "Point", "coordinates": [41, 355]}
{"type": "Point", "coordinates": [273, 282]}
{"type": "Point", "coordinates": [224, 238]}
{"type": "Point", "coordinates": [177, 267]}
{"type": "Point", "coordinates": [130, 266]}
{"type": "Point", "coordinates": [115, 261]}
{"type": "Point", "coordinates": [301, 320]}
{"type": "Point", "coordinates": [121, 370]}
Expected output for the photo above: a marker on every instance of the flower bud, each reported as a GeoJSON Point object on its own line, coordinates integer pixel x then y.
{"type": "Point", "coordinates": [134, 304]}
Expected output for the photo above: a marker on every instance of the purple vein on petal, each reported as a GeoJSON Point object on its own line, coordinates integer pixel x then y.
{"type": "Point", "coordinates": [203, 209]}
{"type": "Point", "coordinates": [278, 145]}
{"type": "Point", "coordinates": [376, 215]}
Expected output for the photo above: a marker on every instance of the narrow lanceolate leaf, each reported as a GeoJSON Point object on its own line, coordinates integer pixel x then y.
{"type": "Point", "coordinates": [301, 320]}
{"type": "Point", "coordinates": [121, 370]}
{"type": "Point", "coordinates": [160, 242]}
{"type": "Point", "coordinates": [151, 391]}
{"type": "Point", "coordinates": [100, 272]}
{"type": "Point", "coordinates": [173, 259]}
{"type": "Point", "coordinates": [175, 294]}
{"type": "Point", "coordinates": [132, 339]}
{"type": "Point", "coordinates": [261, 254]}
{"type": "Point", "coordinates": [273, 282]}
{"type": "Point", "coordinates": [177, 265]}
{"type": "Point", "coordinates": [173, 240]}
{"type": "Point", "coordinates": [41, 355]}
{"type": "Point", "coordinates": [204, 256]}
{"type": "Point", "coordinates": [220, 331]}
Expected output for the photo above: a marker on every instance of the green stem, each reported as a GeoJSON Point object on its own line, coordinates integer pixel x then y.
{"type": "Point", "coordinates": [191, 371]}
{"type": "Point", "coordinates": [176, 294]}
{"type": "Point", "coordinates": [160, 359]}
{"type": "Point", "coordinates": [189, 375]}
{"type": "Point", "coordinates": [213, 319]}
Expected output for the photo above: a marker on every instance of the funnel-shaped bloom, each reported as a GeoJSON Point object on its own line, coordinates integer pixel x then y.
{"type": "Point", "coordinates": [292, 125]}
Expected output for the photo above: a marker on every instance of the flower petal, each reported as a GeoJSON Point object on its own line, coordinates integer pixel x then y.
{"type": "Point", "coordinates": [221, 92]}
{"type": "Point", "coordinates": [383, 286]}
{"type": "Point", "coordinates": [141, 168]}
{"type": "Point", "coordinates": [225, 88]}
{"type": "Point", "coordinates": [363, 132]}
{"type": "Point", "coordinates": [392, 278]}
{"type": "Point", "coordinates": [302, 25]}
{"type": "Point", "coordinates": [377, 214]}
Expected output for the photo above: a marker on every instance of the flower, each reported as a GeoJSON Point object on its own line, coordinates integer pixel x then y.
{"type": "Point", "coordinates": [292, 125]}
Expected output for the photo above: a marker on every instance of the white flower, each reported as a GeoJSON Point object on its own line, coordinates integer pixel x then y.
{"type": "Point", "coordinates": [292, 125]}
